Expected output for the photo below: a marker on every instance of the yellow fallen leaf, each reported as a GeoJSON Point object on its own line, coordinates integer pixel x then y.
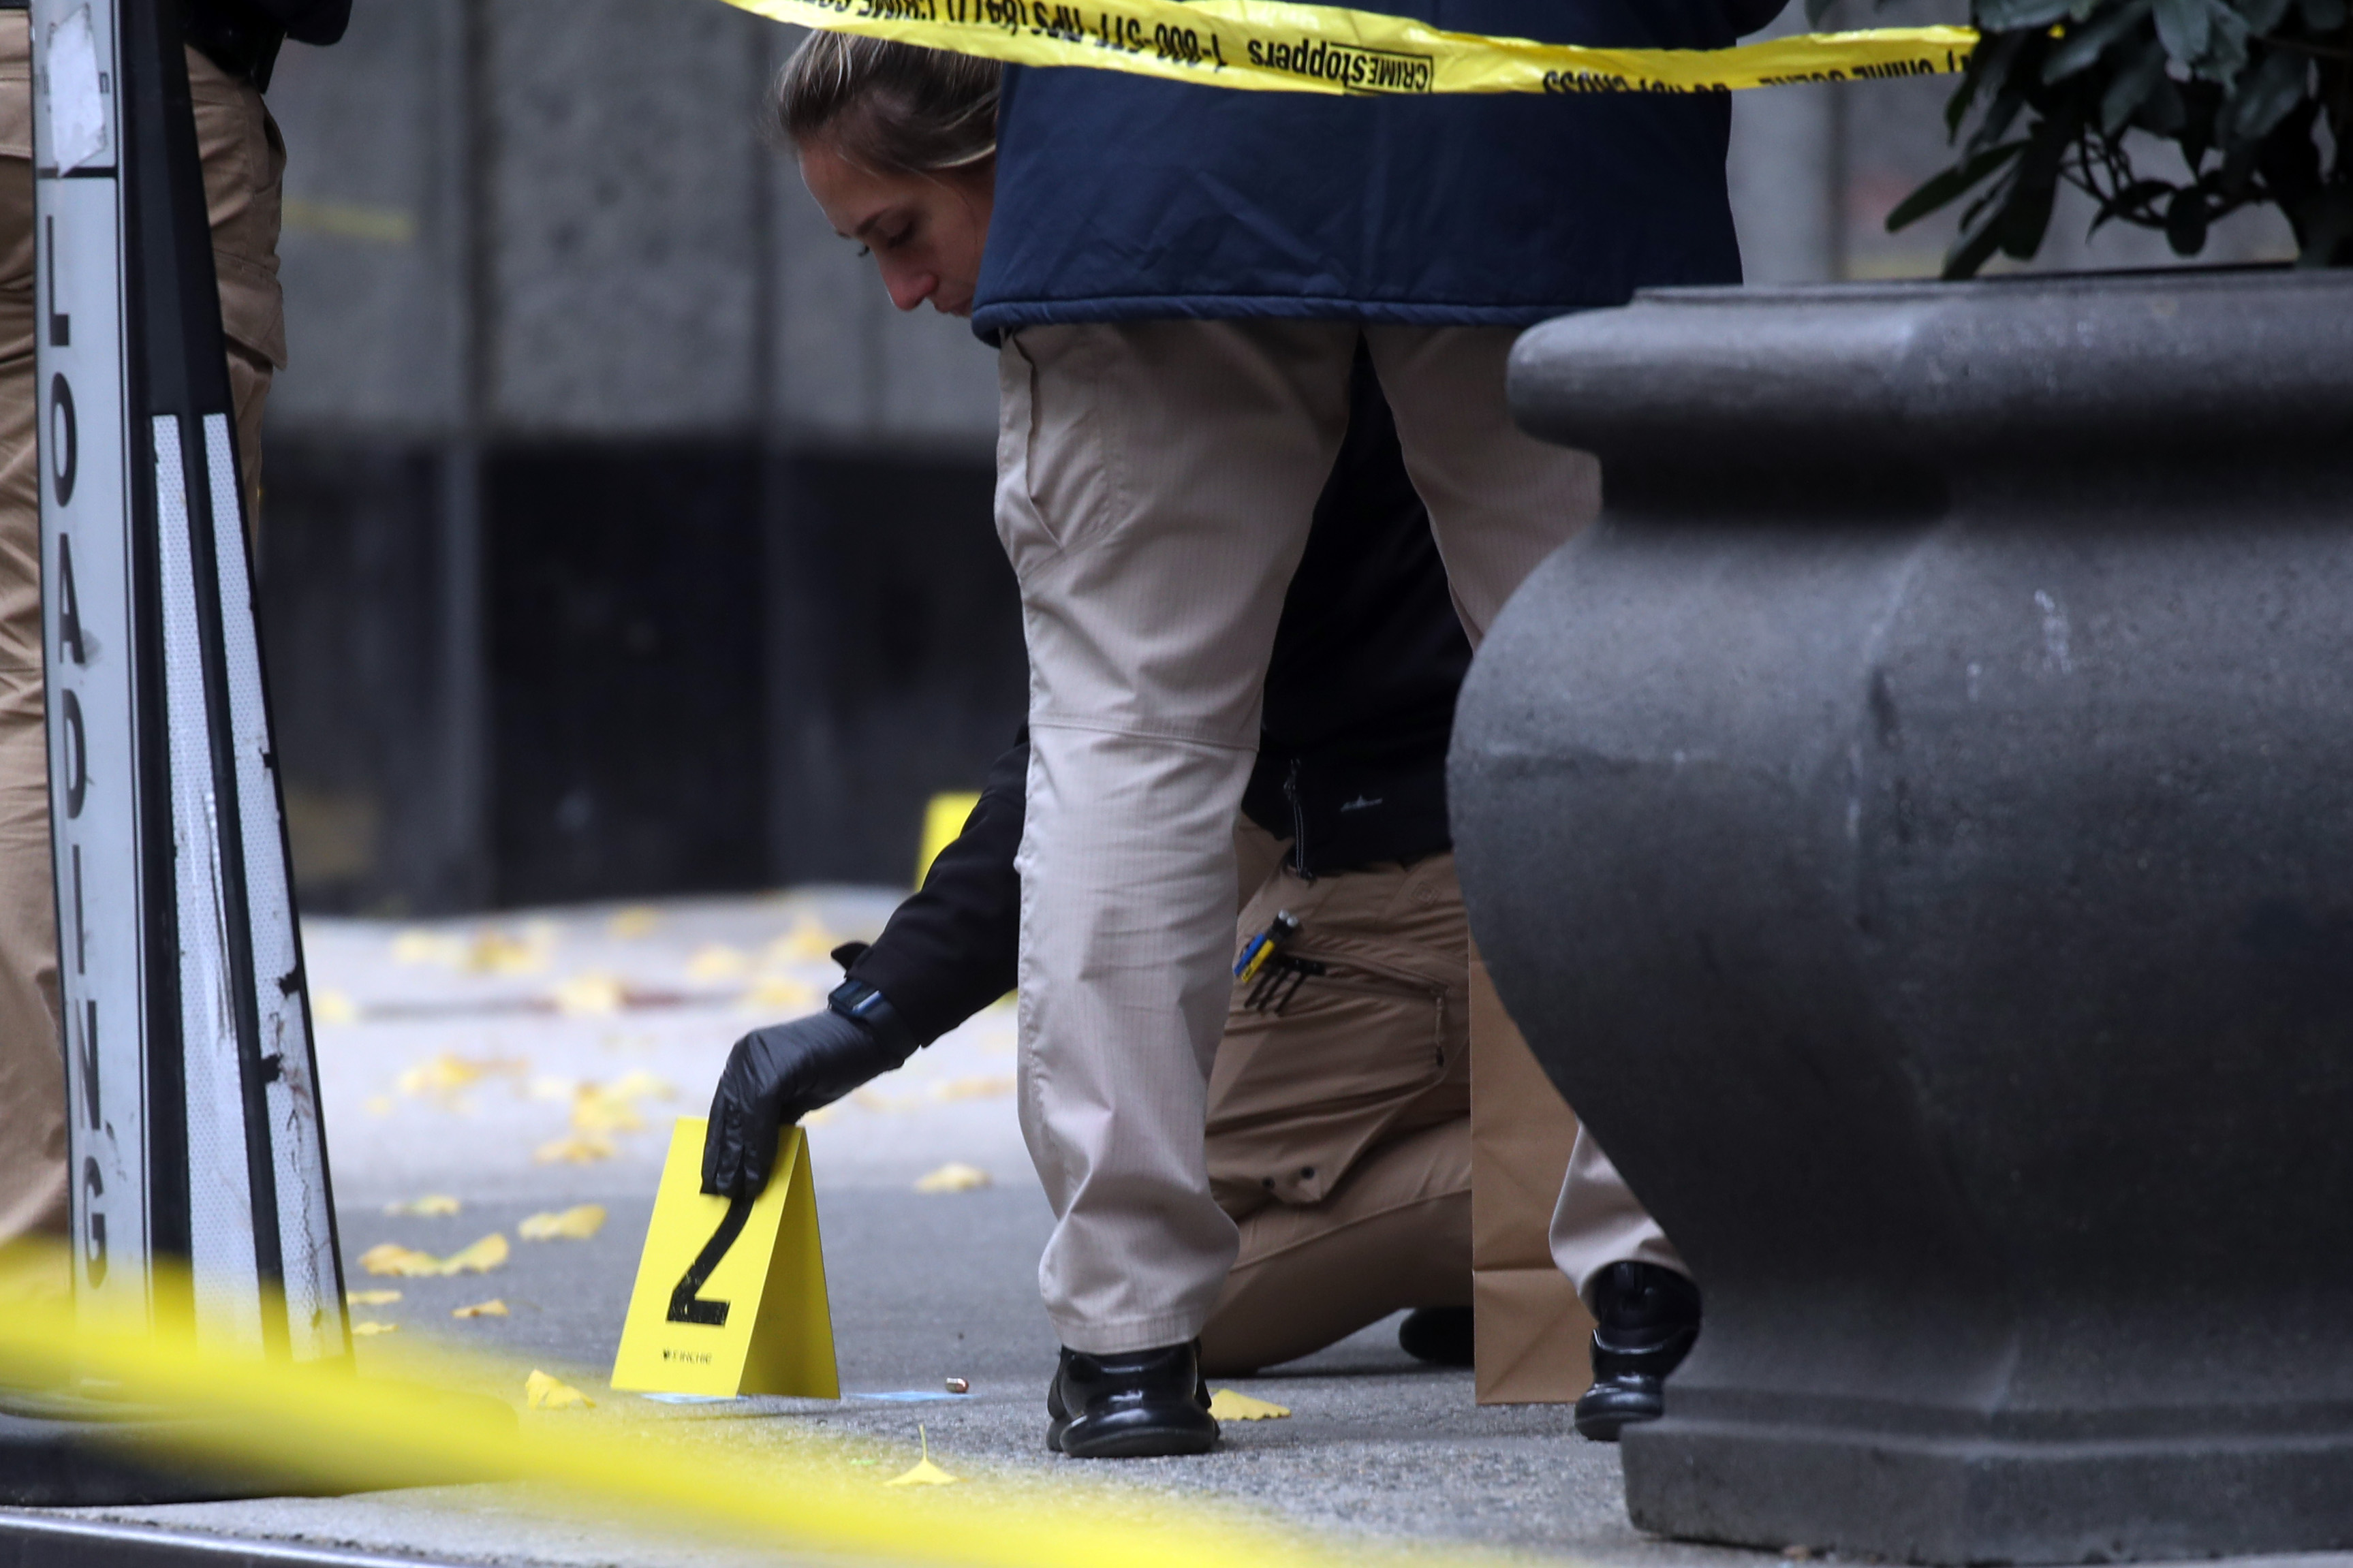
{"type": "Point", "coordinates": [407, 1262]}
{"type": "Point", "coordinates": [588, 994]}
{"type": "Point", "coordinates": [777, 995]}
{"type": "Point", "coordinates": [718, 962]}
{"type": "Point", "coordinates": [329, 1006]}
{"type": "Point", "coordinates": [639, 1084]}
{"type": "Point", "coordinates": [636, 920]}
{"type": "Point", "coordinates": [807, 942]}
{"type": "Point", "coordinates": [544, 1392]}
{"type": "Point", "coordinates": [371, 1298]}
{"type": "Point", "coordinates": [578, 1223]}
{"type": "Point", "coordinates": [581, 1149]}
{"type": "Point", "coordinates": [430, 1203]}
{"type": "Point", "coordinates": [379, 1105]}
{"type": "Point", "coordinates": [978, 1087]}
{"type": "Point", "coordinates": [418, 945]}
{"type": "Point", "coordinates": [953, 1177]}
{"type": "Point", "coordinates": [926, 1473]}
{"type": "Point", "coordinates": [480, 1259]}
{"type": "Point", "coordinates": [365, 1327]}
{"type": "Point", "coordinates": [444, 1075]}
{"type": "Point", "coordinates": [494, 951]}
{"type": "Point", "coordinates": [1227, 1404]}
{"type": "Point", "coordinates": [490, 1309]}
{"type": "Point", "coordinates": [597, 1110]}
{"type": "Point", "coordinates": [391, 1257]}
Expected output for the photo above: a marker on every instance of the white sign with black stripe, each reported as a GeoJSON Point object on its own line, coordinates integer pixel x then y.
{"type": "Point", "coordinates": [197, 1146]}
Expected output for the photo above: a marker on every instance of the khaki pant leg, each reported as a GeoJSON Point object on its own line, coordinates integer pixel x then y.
{"type": "Point", "coordinates": [1500, 500]}
{"type": "Point", "coordinates": [1154, 486]}
{"type": "Point", "coordinates": [244, 162]}
{"type": "Point", "coordinates": [32, 1059]}
{"type": "Point", "coordinates": [1599, 1222]}
{"type": "Point", "coordinates": [1377, 1047]}
{"type": "Point", "coordinates": [1396, 1234]}
{"type": "Point", "coordinates": [1339, 1127]}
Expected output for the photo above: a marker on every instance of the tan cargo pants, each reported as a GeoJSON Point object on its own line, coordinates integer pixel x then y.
{"type": "Point", "coordinates": [1339, 1130]}
{"type": "Point", "coordinates": [1155, 485]}
{"type": "Point", "coordinates": [243, 160]}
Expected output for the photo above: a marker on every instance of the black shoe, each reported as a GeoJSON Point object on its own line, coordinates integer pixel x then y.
{"type": "Point", "coordinates": [1438, 1335]}
{"type": "Point", "coordinates": [1647, 1319]}
{"type": "Point", "coordinates": [1134, 1405]}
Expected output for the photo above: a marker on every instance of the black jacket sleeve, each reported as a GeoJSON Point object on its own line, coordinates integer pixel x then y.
{"type": "Point", "coordinates": [951, 949]}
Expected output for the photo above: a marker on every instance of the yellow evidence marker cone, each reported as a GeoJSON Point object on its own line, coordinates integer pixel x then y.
{"type": "Point", "coordinates": [730, 1297]}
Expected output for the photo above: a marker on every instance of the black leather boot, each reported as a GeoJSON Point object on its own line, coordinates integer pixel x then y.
{"type": "Point", "coordinates": [1438, 1335]}
{"type": "Point", "coordinates": [1134, 1405]}
{"type": "Point", "coordinates": [1646, 1319]}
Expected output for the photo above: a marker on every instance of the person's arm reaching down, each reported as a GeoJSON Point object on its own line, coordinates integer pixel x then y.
{"type": "Point", "coordinates": [948, 952]}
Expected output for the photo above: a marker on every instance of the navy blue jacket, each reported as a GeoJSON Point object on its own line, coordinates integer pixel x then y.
{"type": "Point", "coordinates": [1121, 197]}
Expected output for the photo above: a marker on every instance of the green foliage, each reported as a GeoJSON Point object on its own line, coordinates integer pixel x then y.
{"type": "Point", "coordinates": [2257, 95]}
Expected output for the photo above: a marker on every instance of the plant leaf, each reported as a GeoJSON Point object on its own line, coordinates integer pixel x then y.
{"type": "Point", "coordinates": [2134, 202]}
{"type": "Point", "coordinates": [2323, 229]}
{"type": "Point", "coordinates": [2265, 97]}
{"type": "Point", "coordinates": [2184, 25]}
{"type": "Point", "coordinates": [2001, 15]}
{"type": "Point", "coordinates": [2131, 86]}
{"type": "Point", "coordinates": [2085, 45]}
{"type": "Point", "coordinates": [2026, 216]}
{"type": "Point", "coordinates": [2185, 221]}
{"type": "Point", "coordinates": [1990, 63]}
{"type": "Point", "coordinates": [2167, 112]}
{"type": "Point", "coordinates": [1999, 116]}
{"type": "Point", "coordinates": [1944, 187]}
{"type": "Point", "coordinates": [2262, 16]}
{"type": "Point", "coordinates": [2226, 45]}
{"type": "Point", "coordinates": [1970, 251]}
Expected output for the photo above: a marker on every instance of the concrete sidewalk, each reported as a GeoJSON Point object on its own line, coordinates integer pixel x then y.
{"type": "Point", "coordinates": [452, 1055]}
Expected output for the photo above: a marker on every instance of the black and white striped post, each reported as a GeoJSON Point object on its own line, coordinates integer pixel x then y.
{"type": "Point", "coordinates": [198, 1152]}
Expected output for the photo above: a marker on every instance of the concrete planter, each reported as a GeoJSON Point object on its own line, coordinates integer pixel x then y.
{"type": "Point", "coordinates": [1915, 831]}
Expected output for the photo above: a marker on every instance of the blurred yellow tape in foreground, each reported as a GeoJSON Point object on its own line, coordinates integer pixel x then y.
{"type": "Point", "coordinates": [777, 1482]}
{"type": "Point", "coordinates": [1271, 45]}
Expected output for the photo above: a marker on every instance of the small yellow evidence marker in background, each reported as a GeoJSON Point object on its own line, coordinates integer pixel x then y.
{"type": "Point", "coordinates": [1227, 1404]}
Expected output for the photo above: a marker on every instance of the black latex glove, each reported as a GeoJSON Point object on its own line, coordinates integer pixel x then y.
{"type": "Point", "coordinates": [777, 1075]}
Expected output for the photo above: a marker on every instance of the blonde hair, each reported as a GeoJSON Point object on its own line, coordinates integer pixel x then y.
{"type": "Point", "coordinates": [890, 107]}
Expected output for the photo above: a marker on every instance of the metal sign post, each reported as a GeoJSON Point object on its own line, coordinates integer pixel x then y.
{"type": "Point", "coordinates": [197, 1149]}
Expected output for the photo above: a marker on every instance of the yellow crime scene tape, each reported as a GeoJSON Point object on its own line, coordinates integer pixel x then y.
{"type": "Point", "coordinates": [1275, 46]}
{"type": "Point", "coordinates": [783, 1487]}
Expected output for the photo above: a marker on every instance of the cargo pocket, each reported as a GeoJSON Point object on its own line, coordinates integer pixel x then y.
{"type": "Point", "coordinates": [1320, 1069]}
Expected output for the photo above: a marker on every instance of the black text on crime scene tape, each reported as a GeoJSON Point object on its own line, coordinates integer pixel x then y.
{"type": "Point", "coordinates": [1350, 66]}
{"type": "Point", "coordinates": [1072, 23]}
{"type": "Point", "coordinates": [1876, 70]}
